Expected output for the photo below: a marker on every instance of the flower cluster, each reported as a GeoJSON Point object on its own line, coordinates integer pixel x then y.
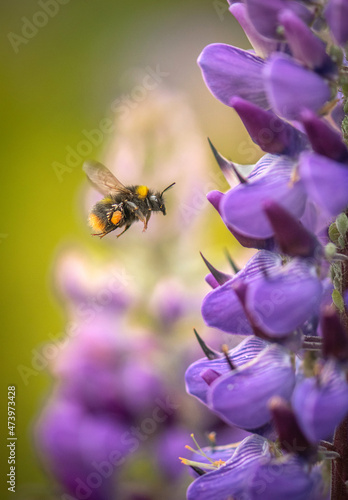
{"type": "Point", "coordinates": [286, 382]}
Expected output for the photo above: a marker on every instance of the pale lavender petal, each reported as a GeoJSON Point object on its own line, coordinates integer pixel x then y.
{"type": "Point", "coordinates": [198, 378]}
{"type": "Point", "coordinates": [326, 182]}
{"type": "Point", "coordinates": [221, 307]}
{"type": "Point", "coordinates": [285, 299]}
{"type": "Point", "coordinates": [285, 479]}
{"type": "Point", "coordinates": [242, 207]}
{"type": "Point", "coordinates": [321, 403]}
{"type": "Point", "coordinates": [263, 46]}
{"type": "Point", "coordinates": [284, 79]}
{"type": "Point", "coordinates": [229, 72]}
{"type": "Point", "coordinates": [241, 397]}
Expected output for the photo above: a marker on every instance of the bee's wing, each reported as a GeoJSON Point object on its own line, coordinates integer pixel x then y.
{"type": "Point", "coordinates": [103, 179]}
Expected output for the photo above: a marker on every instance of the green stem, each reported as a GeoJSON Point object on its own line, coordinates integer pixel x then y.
{"type": "Point", "coordinates": [339, 484]}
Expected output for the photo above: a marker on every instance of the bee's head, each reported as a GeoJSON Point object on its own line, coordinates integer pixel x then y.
{"type": "Point", "coordinates": [157, 201]}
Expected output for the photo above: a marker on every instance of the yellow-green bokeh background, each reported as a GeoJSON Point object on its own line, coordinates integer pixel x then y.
{"type": "Point", "coordinates": [62, 82]}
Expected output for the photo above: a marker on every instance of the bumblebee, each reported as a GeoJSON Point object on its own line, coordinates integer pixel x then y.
{"type": "Point", "coordinates": [122, 205]}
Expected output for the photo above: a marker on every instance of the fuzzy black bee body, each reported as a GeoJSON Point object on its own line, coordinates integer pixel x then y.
{"type": "Point", "coordinates": [122, 206]}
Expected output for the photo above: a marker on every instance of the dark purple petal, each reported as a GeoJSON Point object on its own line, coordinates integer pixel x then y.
{"type": "Point", "coordinates": [336, 14]}
{"type": "Point", "coordinates": [241, 397]}
{"type": "Point", "coordinates": [326, 182]}
{"type": "Point", "coordinates": [324, 139]}
{"type": "Point", "coordinates": [321, 402]}
{"type": "Point", "coordinates": [221, 307]}
{"type": "Point", "coordinates": [305, 46]}
{"type": "Point", "coordinates": [242, 207]}
{"type": "Point", "coordinates": [263, 46]}
{"type": "Point", "coordinates": [292, 237]}
{"type": "Point", "coordinates": [229, 72]}
{"type": "Point", "coordinates": [284, 79]}
{"type": "Point", "coordinates": [335, 338]}
{"type": "Point", "coordinates": [231, 480]}
{"type": "Point", "coordinates": [264, 15]}
{"type": "Point", "coordinates": [267, 130]}
{"type": "Point", "coordinates": [285, 479]}
{"type": "Point", "coordinates": [290, 437]}
{"type": "Point", "coordinates": [283, 300]}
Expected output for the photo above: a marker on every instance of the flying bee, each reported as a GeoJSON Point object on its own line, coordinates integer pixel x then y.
{"type": "Point", "coordinates": [122, 205]}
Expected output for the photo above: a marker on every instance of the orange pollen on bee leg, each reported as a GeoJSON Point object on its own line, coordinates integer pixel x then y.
{"type": "Point", "coordinates": [96, 223]}
{"type": "Point", "coordinates": [116, 217]}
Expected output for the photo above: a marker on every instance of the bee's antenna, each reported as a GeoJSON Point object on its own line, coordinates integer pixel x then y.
{"type": "Point", "coordinates": [166, 189]}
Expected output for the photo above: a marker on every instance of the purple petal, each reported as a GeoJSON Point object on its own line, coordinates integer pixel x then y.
{"type": "Point", "coordinates": [267, 130]}
{"type": "Point", "coordinates": [263, 46]}
{"type": "Point", "coordinates": [197, 385]}
{"type": "Point", "coordinates": [229, 72]}
{"type": "Point", "coordinates": [320, 403]}
{"type": "Point", "coordinates": [326, 182]}
{"type": "Point", "coordinates": [264, 15]}
{"type": "Point", "coordinates": [241, 397]}
{"type": "Point", "coordinates": [72, 441]}
{"type": "Point", "coordinates": [288, 479]}
{"type": "Point", "coordinates": [285, 299]}
{"type": "Point", "coordinates": [324, 139]}
{"type": "Point", "coordinates": [284, 79]}
{"type": "Point", "coordinates": [336, 14]}
{"type": "Point", "coordinates": [292, 237]}
{"type": "Point", "coordinates": [215, 197]}
{"type": "Point", "coordinates": [231, 479]}
{"type": "Point", "coordinates": [305, 46]}
{"type": "Point", "coordinates": [221, 307]}
{"type": "Point", "coordinates": [242, 207]}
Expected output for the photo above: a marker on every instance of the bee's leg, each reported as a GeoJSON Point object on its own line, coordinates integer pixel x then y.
{"type": "Point", "coordinates": [147, 218]}
{"type": "Point", "coordinates": [128, 225]}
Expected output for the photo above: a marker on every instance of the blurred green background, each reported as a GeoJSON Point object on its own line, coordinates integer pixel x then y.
{"type": "Point", "coordinates": [55, 84]}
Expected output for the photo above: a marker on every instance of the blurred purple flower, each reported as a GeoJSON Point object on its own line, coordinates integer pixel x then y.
{"type": "Point", "coordinates": [321, 402]}
{"type": "Point", "coordinates": [82, 450]}
{"type": "Point", "coordinates": [336, 14]}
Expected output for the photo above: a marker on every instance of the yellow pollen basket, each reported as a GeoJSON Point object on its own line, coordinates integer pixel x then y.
{"type": "Point", "coordinates": [142, 191]}
{"type": "Point", "coordinates": [106, 200]}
